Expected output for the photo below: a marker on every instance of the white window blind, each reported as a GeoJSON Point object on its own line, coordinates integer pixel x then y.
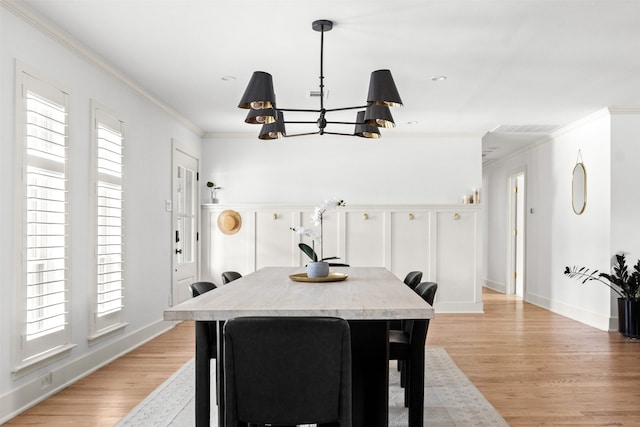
{"type": "Point", "coordinates": [109, 143]}
{"type": "Point", "coordinates": [45, 292]}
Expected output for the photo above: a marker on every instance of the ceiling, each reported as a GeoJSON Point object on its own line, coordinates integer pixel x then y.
{"type": "Point", "coordinates": [519, 68]}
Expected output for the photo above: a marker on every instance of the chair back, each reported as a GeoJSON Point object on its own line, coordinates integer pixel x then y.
{"type": "Point", "coordinates": [199, 288]}
{"type": "Point", "coordinates": [413, 278]}
{"type": "Point", "coordinates": [418, 328]}
{"type": "Point", "coordinates": [287, 370]}
{"type": "Point", "coordinates": [427, 291]}
{"type": "Point", "coordinates": [230, 276]}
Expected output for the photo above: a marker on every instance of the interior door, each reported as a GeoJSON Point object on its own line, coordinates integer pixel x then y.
{"type": "Point", "coordinates": [185, 224]}
{"type": "Point", "coordinates": [520, 229]}
{"type": "Point", "coordinates": [516, 246]}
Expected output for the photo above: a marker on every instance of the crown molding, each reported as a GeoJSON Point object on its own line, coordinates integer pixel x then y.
{"type": "Point", "coordinates": [625, 109]}
{"type": "Point", "coordinates": [45, 26]}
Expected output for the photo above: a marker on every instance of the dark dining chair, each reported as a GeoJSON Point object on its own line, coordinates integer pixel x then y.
{"type": "Point", "coordinates": [199, 288]}
{"type": "Point", "coordinates": [287, 371]}
{"type": "Point", "coordinates": [412, 279]}
{"type": "Point", "coordinates": [408, 346]}
{"type": "Point", "coordinates": [230, 276]}
{"type": "Point", "coordinates": [210, 331]}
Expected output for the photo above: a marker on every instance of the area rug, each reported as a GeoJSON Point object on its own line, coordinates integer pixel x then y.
{"type": "Point", "coordinates": [450, 399]}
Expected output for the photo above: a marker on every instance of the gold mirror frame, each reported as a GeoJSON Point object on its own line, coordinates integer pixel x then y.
{"type": "Point", "coordinates": [579, 188]}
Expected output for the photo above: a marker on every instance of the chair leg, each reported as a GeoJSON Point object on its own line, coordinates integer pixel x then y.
{"type": "Point", "coordinates": [407, 386]}
{"type": "Point", "coordinates": [415, 391]}
{"type": "Point", "coordinates": [406, 396]}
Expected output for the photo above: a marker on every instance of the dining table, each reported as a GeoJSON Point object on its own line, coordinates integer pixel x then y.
{"type": "Point", "coordinates": [367, 297]}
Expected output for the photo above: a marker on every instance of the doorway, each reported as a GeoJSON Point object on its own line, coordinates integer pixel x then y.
{"type": "Point", "coordinates": [185, 223]}
{"type": "Point", "coordinates": [516, 234]}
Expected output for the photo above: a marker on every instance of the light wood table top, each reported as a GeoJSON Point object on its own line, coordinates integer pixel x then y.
{"type": "Point", "coordinates": [369, 293]}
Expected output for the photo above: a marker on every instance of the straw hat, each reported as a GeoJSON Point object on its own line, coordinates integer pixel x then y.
{"type": "Point", "coordinates": [229, 221]}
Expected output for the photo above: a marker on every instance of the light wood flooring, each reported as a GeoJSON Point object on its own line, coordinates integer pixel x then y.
{"type": "Point", "coordinates": [535, 367]}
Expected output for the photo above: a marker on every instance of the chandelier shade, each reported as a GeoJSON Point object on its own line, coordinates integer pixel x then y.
{"type": "Point", "coordinates": [262, 116]}
{"type": "Point", "coordinates": [259, 93]}
{"type": "Point", "coordinates": [382, 89]}
{"type": "Point", "coordinates": [260, 98]}
{"type": "Point", "coordinates": [275, 129]}
{"type": "Point", "coordinates": [379, 115]}
{"type": "Point", "coordinates": [363, 129]}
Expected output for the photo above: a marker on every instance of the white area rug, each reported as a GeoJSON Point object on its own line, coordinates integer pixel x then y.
{"type": "Point", "coordinates": [450, 399]}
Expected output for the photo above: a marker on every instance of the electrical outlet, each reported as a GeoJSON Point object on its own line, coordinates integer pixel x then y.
{"type": "Point", "coordinates": [46, 381]}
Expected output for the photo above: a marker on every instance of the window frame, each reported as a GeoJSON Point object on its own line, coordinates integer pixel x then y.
{"type": "Point", "coordinates": [100, 326]}
{"type": "Point", "coordinates": [40, 351]}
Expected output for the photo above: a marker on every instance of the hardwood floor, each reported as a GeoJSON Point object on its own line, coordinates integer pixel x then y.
{"type": "Point", "coordinates": [535, 367]}
{"type": "Point", "coordinates": [539, 368]}
{"type": "Point", "coordinates": [108, 394]}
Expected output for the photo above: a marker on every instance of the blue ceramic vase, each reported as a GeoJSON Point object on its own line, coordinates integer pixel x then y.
{"type": "Point", "coordinates": [317, 269]}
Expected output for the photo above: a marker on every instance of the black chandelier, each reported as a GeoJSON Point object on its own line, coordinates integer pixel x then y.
{"type": "Point", "coordinates": [260, 98]}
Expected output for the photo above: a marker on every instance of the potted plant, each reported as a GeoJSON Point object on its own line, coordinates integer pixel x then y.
{"type": "Point", "coordinates": [318, 267]}
{"type": "Point", "coordinates": [212, 186]}
{"type": "Point", "coordinates": [624, 283]}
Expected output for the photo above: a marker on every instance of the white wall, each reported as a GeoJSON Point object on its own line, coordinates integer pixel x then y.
{"type": "Point", "coordinates": [391, 170]}
{"type": "Point", "coordinates": [148, 132]}
{"type": "Point", "coordinates": [555, 236]}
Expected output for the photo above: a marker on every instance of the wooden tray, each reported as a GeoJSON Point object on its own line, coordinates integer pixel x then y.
{"type": "Point", "coordinates": [332, 277]}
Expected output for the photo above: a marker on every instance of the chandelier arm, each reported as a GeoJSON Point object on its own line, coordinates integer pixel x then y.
{"type": "Point", "coordinates": [299, 122]}
{"type": "Point", "coordinates": [339, 133]}
{"type": "Point", "coordinates": [301, 134]}
{"type": "Point", "coordinates": [343, 123]}
{"type": "Point", "coordinates": [329, 110]}
{"type": "Point", "coordinates": [299, 110]}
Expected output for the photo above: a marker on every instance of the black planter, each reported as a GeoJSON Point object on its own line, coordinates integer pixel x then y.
{"type": "Point", "coordinates": [629, 318]}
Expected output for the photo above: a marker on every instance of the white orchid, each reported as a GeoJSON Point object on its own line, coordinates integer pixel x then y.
{"type": "Point", "coordinates": [325, 206]}
{"type": "Point", "coordinates": [318, 213]}
{"type": "Point", "coordinates": [308, 232]}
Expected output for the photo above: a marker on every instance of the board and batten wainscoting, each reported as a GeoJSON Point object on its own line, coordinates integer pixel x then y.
{"type": "Point", "coordinates": [443, 241]}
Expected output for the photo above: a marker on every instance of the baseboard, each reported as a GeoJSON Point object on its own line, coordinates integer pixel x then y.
{"type": "Point", "coordinates": [22, 398]}
{"type": "Point", "coordinates": [458, 307]}
{"type": "Point", "coordinates": [498, 287]}
{"type": "Point", "coordinates": [598, 321]}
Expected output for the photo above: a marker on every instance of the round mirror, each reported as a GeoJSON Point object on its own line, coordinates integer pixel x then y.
{"type": "Point", "coordinates": [579, 189]}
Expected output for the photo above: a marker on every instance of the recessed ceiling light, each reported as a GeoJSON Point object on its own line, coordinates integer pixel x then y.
{"type": "Point", "coordinates": [412, 122]}
{"type": "Point", "coordinates": [438, 78]}
{"type": "Point", "coordinates": [228, 78]}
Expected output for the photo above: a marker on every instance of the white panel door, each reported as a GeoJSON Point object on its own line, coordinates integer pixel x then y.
{"type": "Point", "coordinates": [185, 224]}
